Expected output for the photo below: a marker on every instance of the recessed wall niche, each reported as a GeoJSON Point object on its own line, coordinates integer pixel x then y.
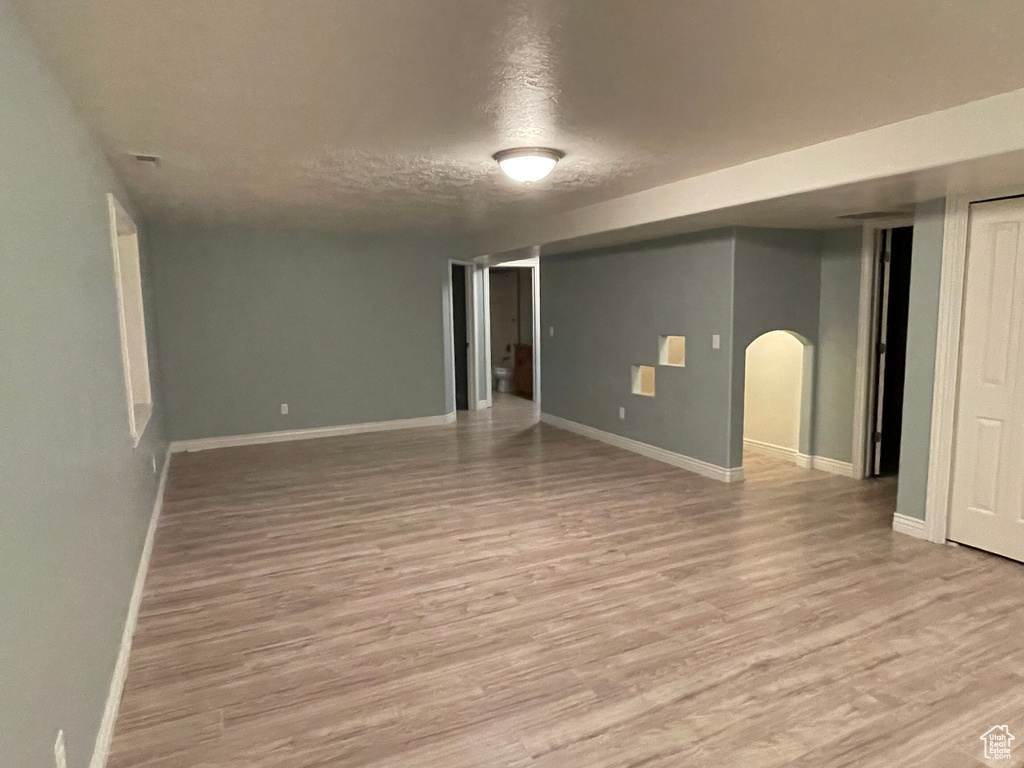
{"type": "Point", "coordinates": [672, 351]}
{"type": "Point", "coordinates": [643, 380]}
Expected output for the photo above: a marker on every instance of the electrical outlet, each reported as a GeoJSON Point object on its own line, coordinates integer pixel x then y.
{"type": "Point", "coordinates": [59, 756]}
{"type": "Point", "coordinates": [716, 342]}
{"type": "Point", "coordinates": [622, 413]}
{"type": "Point", "coordinates": [284, 409]}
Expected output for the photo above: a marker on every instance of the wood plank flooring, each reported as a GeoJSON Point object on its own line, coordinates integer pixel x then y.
{"type": "Point", "coordinates": [503, 593]}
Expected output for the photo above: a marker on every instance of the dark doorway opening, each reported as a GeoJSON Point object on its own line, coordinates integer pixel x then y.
{"type": "Point", "coordinates": [460, 337]}
{"type": "Point", "coordinates": [893, 302]}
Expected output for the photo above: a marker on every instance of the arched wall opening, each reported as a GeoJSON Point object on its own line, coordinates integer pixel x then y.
{"type": "Point", "coordinates": [778, 396]}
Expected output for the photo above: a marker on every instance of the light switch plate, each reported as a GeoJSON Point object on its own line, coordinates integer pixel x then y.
{"type": "Point", "coordinates": [716, 342]}
{"type": "Point", "coordinates": [551, 330]}
{"type": "Point", "coordinates": [622, 413]}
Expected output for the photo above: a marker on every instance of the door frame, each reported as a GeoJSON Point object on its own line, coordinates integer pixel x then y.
{"type": "Point", "coordinates": [483, 345]}
{"type": "Point", "coordinates": [946, 391]}
{"type": "Point", "coordinates": [472, 334]}
{"type": "Point", "coordinates": [533, 264]}
{"type": "Point", "coordinates": [864, 397]}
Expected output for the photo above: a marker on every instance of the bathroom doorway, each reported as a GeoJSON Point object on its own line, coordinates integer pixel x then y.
{"type": "Point", "coordinates": [512, 330]}
{"type": "Point", "coordinates": [511, 315]}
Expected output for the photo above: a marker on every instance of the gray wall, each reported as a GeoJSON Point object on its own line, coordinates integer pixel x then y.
{"type": "Point", "coordinates": [922, 332]}
{"type": "Point", "coordinates": [525, 305]}
{"type": "Point", "coordinates": [344, 329]}
{"type": "Point", "coordinates": [75, 496]}
{"type": "Point", "coordinates": [836, 354]}
{"type": "Point", "coordinates": [777, 286]}
{"type": "Point", "coordinates": [608, 309]}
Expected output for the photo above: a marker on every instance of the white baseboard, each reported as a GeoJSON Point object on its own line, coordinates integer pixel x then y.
{"type": "Point", "coordinates": [802, 460]}
{"type": "Point", "coordinates": [481, 404]}
{"type": "Point", "coordinates": [778, 452]}
{"type": "Point", "coordinates": [843, 468]}
{"type": "Point", "coordinates": [725, 474]}
{"type": "Point", "coordinates": [908, 525]}
{"type": "Point", "coordinates": [101, 748]}
{"type": "Point", "coordinates": [233, 441]}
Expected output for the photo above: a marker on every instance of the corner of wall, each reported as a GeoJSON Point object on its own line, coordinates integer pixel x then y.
{"type": "Point", "coordinates": [922, 342]}
{"type": "Point", "coordinates": [733, 446]}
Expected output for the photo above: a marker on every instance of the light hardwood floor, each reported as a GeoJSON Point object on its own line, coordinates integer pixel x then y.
{"type": "Point", "coordinates": [503, 593]}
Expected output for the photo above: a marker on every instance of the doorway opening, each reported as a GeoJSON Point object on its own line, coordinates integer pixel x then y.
{"type": "Point", "coordinates": [460, 335]}
{"type": "Point", "coordinates": [778, 396]}
{"type": "Point", "coordinates": [889, 362]}
{"type": "Point", "coordinates": [511, 339]}
{"type": "Point", "coordinates": [509, 345]}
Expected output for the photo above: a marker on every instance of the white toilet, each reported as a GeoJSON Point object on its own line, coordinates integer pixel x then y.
{"type": "Point", "coordinates": [502, 378]}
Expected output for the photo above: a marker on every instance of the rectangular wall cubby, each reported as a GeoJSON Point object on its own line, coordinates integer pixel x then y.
{"type": "Point", "coordinates": [672, 351]}
{"type": "Point", "coordinates": [643, 380]}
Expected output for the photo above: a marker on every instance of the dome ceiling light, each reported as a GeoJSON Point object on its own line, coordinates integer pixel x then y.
{"type": "Point", "coordinates": [528, 164]}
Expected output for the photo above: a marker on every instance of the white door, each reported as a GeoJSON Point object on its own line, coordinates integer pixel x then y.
{"type": "Point", "coordinates": [988, 476]}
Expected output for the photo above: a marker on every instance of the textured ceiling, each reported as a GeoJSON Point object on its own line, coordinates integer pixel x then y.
{"type": "Point", "coordinates": [376, 115]}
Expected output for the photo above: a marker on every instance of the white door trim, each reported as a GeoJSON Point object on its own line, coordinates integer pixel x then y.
{"type": "Point", "coordinates": [536, 332]}
{"type": "Point", "coordinates": [484, 341]}
{"type": "Point", "coordinates": [947, 359]}
{"type": "Point", "coordinates": [533, 263]}
{"type": "Point", "coordinates": [947, 364]}
{"type": "Point", "coordinates": [472, 356]}
{"type": "Point", "coordinates": [863, 396]}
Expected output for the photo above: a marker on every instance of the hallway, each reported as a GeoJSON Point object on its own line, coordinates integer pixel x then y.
{"type": "Point", "coordinates": [503, 593]}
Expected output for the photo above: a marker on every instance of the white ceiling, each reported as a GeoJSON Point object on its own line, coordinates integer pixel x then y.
{"type": "Point", "coordinates": [375, 115]}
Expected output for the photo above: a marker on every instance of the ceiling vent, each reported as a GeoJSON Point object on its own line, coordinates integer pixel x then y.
{"type": "Point", "coordinates": [147, 159]}
{"type": "Point", "coordinates": [868, 215]}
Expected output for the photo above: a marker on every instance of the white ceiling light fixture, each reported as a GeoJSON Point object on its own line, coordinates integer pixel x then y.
{"type": "Point", "coordinates": [528, 164]}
